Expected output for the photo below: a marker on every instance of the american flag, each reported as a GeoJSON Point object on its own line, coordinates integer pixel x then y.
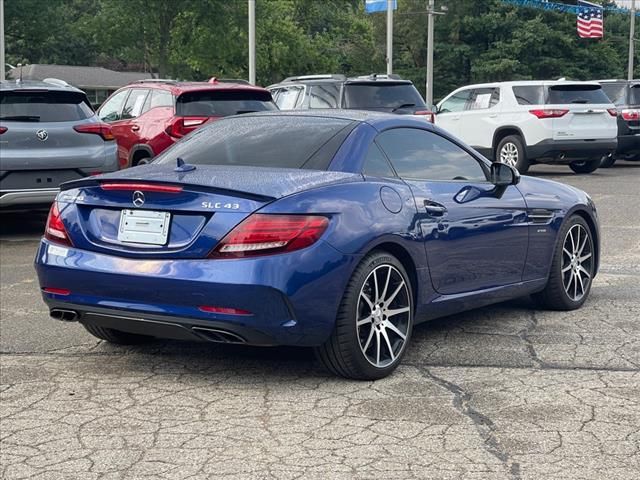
{"type": "Point", "coordinates": [590, 24]}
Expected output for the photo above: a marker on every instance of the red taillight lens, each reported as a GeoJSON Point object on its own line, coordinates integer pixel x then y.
{"type": "Point", "coordinates": [55, 230]}
{"type": "Point", "coordinates": [224, 310]}
{"type": "Point", "coordinates": [613, 112]}
{"type": "Point", "coordinates": [263, 234]}
{"type": "Point", "coordinates": [184, 125]}
{"type": "Point", "coordinates": [428, 116]}
{"type": "Point", "coordinates": [143, 187]}
{"type": "Point", "coordinates": [630, 114]}
{"type": "Point", "coordinates": [549, 113]}
{"type": "Point", "coordinates": [102, 129]}
{"type": "Point", "coordinates": [3, 129]}
{"type": "Point", "coordinates": [56, 291]}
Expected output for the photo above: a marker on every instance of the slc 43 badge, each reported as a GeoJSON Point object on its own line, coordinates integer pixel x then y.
{"type": "Point", "coordinates": [220, 205]}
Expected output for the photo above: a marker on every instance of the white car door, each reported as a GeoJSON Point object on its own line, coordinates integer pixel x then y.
{"type": "Point", "coordinates": [450, 111]}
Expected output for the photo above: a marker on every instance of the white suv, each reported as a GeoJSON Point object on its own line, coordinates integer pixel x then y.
{"type": "Point", "coordinates": [527, 122]}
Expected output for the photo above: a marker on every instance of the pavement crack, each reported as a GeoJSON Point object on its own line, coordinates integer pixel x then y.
{"type": "Point", "coordinates": [531, 325]}
{"type": "Point", "coordinates": [483, 424]}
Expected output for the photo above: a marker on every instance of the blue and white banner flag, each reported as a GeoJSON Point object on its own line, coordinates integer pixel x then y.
{"type": "Point", "coordinates": [373, 6]}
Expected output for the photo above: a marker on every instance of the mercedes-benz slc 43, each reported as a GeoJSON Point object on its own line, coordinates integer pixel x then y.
{"type": "Point", "coordinates": [337, 230]}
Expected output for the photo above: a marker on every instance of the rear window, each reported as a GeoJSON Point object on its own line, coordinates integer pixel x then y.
{"type": "Point", "coordinates": [44, 106]}
{"type": "Point", "coordinates": [369, 96]}
{"type": "Point", "coordinates": [634, 95]}
{"type": "Point", "coordinates": [210, 103]}
{"type": "Point", "coordinates": [617, 92]}
{"type": "Point", "coordinates": [269, 141]}
{"type": "Point", "coordinates": [565, 94]}
{"type": "Point", "coordinates": [529, 95]}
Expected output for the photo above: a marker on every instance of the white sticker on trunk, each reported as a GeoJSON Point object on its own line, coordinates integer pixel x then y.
{"type": "Point", "coordinates": [58, 251]}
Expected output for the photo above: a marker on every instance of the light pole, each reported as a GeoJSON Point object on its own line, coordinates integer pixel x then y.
{"type": "Point", "coordinates": [632, 28]}
{"type": "Point", "coordinates": [429, 82]}
{"type": "Point", "coordinates": [252, 42]}
{"type": "Point", "coordinates": [2, 63]}
{"type": "Point", "coordinates": [389, 37]}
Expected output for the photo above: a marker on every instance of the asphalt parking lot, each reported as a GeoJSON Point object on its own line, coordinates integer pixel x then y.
{"type": "Point", "coordinates": [503, 392]}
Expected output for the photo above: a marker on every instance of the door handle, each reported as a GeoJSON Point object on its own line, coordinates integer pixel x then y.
{"type": "Point", "coordinates": [135, 128]}
{"type": "Point", "coordinates": [493, 115]}
{"type": "Point", "coordinates": [434, 208]}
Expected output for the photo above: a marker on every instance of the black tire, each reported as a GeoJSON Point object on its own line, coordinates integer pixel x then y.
{"type": "Point", "coordinates": [587, 166]}
{"type": "Point", "coordinates": [344, 353]}
{"type": "Point", "coordinates": [142, 161]}
{"type": "Point", "coordinates": [516, 144]}
{"type": "Point", "coordinates": [607, 161]}
{"type": "Point", "coordinates": [555, 296]}
{"type": "Point", "coordinates": [116, 336]}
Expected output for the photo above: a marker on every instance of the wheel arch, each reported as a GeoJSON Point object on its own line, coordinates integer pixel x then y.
{"type": "Point", "coordinates": [405, 258]}
{"type": "Point", "coordinates": [503, 132]}
{"type": "Point", "coordinates": [140, 151]}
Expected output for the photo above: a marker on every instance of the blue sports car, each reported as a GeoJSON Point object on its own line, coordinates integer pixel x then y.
{"type": "Point", "coordinates": [337, 230]}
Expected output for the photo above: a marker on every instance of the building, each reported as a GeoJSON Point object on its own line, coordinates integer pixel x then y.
{"type": "Point", "coordinates": [97, 82]}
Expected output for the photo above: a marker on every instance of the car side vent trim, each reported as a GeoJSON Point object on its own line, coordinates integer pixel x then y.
{"type": "Point", "coordinates": [540, 215]}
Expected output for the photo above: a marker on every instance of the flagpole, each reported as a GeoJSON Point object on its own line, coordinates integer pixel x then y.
{"type": "Point", "coordinates": [2, 65]}
{"type": "Point", "coordinates": [632, 27]}
{"type": "Point", "coordinates": [252, 42]}
{"type": "Point", "coordinates": [389, 37]}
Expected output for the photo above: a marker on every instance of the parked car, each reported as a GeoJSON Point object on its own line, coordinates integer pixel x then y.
{"type": "Point", "coordinates": [529, 122]}
{"type": "Point", "coordinates": [151, 115]}
{"type": "Point", "coordinates": [382, 93]}
{"type": "Point", "coordinates": [625, 95]}
{"type": "Point", "coordinates": [49, 134]}
{"type": "Point", "coordinates": [336, 231]}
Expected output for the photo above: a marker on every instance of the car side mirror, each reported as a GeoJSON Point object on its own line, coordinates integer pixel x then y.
{"type": "Point", "coordinates": [503, 175]}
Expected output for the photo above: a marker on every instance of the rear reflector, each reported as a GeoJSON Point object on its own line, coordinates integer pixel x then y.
{"type": "Point", "coordinates": [144, 187]}
{"type": "Point", "coordinates": [549, 113]}
{"type": "Point", "coordinates": [55, 230]}
{"type": "Point", "coordinates": [224, 310]}
{"type": "Point", "coordinates": [3, 129]}
{"type": "Point", "coordinates": [263, 234]}
{"type": "Point", "coordinates": [630, 114]}
{"type": "Point", "coordinates": [102, 129]}
{"type": "Point", "coordinates": [56, 291]}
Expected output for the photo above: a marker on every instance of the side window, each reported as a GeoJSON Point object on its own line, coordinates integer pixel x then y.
{"type": "Point", "coordinates": [419, 154]}
{"type": "Point", "coordinates": [455, 103]}
{"type": "Point", "coordinates": [483, 98]}
{"type": "Point", "coordinates": [324, 96]}
{"type": "Point", "coordinates": [110, 110]}
{"type": "Point", "coordinates": [529, 95]}
{"type": "Point", "coordinates": [159, 98]}
{"type": "Point", "coordinates": [288, 97]}
{"type": "Point", "coordinates": [135, 102]}
{"type": "Point", "coordinates": [376, 164]}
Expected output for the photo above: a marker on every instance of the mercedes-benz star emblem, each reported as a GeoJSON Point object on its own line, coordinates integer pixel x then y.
{"type": "Point", "coordinates": [138, 198]}
{"type": "Point", "coordinates": [42, 135]}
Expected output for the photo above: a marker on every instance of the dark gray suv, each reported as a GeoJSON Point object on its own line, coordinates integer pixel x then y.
{"type": "Point", "coordinates": [625, 94]}
{"type": "Point", "coordinates": [382, 93]}
{"type": "Point", "coordinates": [49, 134]}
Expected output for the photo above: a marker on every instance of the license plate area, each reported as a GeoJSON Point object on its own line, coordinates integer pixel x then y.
{"type": "Point", "coordinates": [144, 226]}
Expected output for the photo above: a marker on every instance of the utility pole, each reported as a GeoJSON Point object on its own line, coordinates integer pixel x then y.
{"type": "Point", "coordinates": [389, 37]}
{"type": "Point", "coordinates": [632, 28]}
{"type": "Point", "coordinates": [2, 63]}
{"type": "Point", "coordinates": [429, 86]}
{"type": "Point", "coordinates": [252, 42]}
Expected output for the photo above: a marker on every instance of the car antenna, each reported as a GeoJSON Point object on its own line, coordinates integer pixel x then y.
{"type": "Point", "coordinates": [183, 167]}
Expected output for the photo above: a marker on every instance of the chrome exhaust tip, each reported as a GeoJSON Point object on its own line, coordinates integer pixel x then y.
{"type": "Point", "coordinates": [64, 315]}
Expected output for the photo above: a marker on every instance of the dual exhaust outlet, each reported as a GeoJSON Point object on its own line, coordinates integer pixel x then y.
{"type": "Point", "coordinates": [64, 315]}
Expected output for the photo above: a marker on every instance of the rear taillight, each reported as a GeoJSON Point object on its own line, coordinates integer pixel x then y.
{"type": "Point", "coordinates": [428, 116]}
{"type": "Point", "coordinates": [181, 126]}
{"type": "Point", "coordinates": [263, 234]}
{"type": "Point", "coordinates": [630, 114]}
{"type": "Point", "coordinates": [102, 129]}
{"type": "Point", "coordinates": [613, 112]}
{"type": "Point", "coordinates": [549, 112]}
{"type": "Point", "coordinates": [55, 230]}
{"type": "Point", "coordinates": [3, 129]}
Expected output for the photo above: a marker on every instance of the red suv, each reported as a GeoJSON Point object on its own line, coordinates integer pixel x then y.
{"type": "Point", "coordinates": [148, 116]}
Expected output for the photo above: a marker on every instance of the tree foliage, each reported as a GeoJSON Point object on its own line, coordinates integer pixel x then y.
{"type": "Point", "coordinates": [475, 41]}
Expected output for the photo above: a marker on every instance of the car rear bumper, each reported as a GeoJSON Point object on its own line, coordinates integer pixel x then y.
{"type": "Point", "coordinates": [567, 151]}
{"type": "Point", "coordinates": [291, 299]}
{"type": "Point", "coordinates": [628, 144]}
{"type": "Point", "coordinates": [18, 198]}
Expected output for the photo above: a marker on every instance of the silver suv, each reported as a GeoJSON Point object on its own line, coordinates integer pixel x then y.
{"type": "Point", "coordinates": [49, 134]}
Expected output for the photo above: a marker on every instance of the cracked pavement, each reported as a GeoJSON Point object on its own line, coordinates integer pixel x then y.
{"type": "Point", "coordinates": [504, 392]}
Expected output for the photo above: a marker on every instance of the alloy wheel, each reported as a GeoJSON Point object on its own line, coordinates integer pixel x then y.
{"type": "Point", "coordinates": [509, 154]}
{"type": "Point", "coordinates": [383, 316]}
{"type": "Point", "coordinates": [577, 262]}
